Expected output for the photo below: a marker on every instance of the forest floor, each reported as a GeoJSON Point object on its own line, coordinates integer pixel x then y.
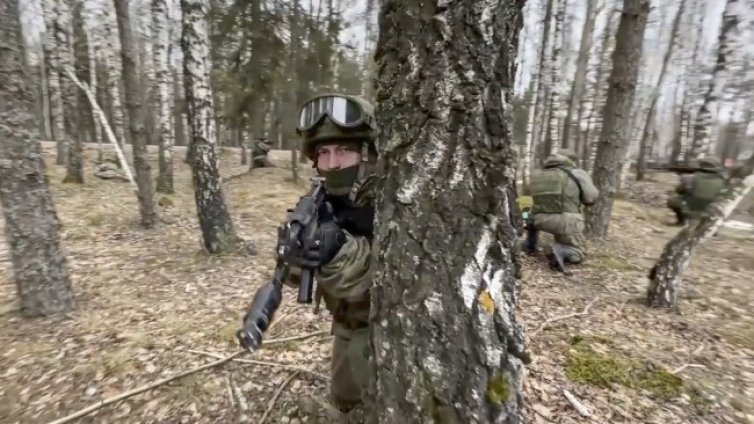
{"type": "Point", "coordinates": [151, 304]}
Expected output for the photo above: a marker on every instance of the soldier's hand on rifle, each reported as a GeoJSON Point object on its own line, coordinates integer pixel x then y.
{"type": "Point", "coordinates": [327, 240]}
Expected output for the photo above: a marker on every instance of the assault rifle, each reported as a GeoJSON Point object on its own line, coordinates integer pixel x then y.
{"type": "Point", "coordinates": [678, 168]}
{"type": "Point", "coordinates": [683, 169]}
{"type": "Point", "coordinates": [296, 235]}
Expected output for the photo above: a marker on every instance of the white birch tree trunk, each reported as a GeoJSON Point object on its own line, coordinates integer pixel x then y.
{"type": "Point", "coordinates": [74, 117]}
{"type": "Point", "coordinates": [579, 80]}
{"type": "Point", "coordinates": [417, 375]}
{"type": "Point", "coordinates": [218, 232]}
{"type": "Point", "coordinates": [93, 54]}
{"type": "Point", "coordinates": [111, 54]}
{"type": "Point", "coordinates": [654, 96]}
{"type": "Point", "coordinates": [160, 29]}
{"type": "Point", "coordinates": [528, 147]}
{"type": "Point", "coordinates": [537, 108]}
{"type": "Point", "coordinates": [45, 92]}
{"type": "Point", "coordinates": [52, 64]}
{"type": "Point", "coordinates": [729, 46]}
{"type": "Point", "coordinates": [552, 139]}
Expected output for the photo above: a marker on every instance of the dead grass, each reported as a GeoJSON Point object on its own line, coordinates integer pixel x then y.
{"type": "Point", "coordinates": [147, 297]}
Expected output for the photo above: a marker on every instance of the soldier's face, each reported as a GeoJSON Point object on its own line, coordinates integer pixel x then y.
{"type": "Point", "coordinates": [332, 156]}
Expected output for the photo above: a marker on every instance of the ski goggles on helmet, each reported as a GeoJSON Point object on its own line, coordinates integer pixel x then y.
{"type": "Point", "coordinates": [343, 111]}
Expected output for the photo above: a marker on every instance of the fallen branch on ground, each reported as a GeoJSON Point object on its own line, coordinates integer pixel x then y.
{"type": "Point", "coordinates": [577, 405]}
{"type": "Point", "coordinates": [109, 131]}
{"type": "Point", "coordinates": [265, 363]}
{"type": "Point", "coordinates": [683, 367]}
{"type": "Point", "coordinates": [234, 176]}
{"type": "Point", "coordinates": [236, 394]}
{"type": "Point", "coordinates": [293, 338]}
{"type": "Point", "coordinates": [562, 317]}
{"type": "Point", "coordinates": [231, 393]}
{"type": "Point", "coordinates": [281, 318]}
{"type": "Point", "coordinates": [89, 409]}
{"type": "Point", "coordinates": [278, 392]}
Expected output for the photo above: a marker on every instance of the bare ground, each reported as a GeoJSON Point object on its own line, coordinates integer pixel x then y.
{"type": "Point", "coordinates": [146, 299]}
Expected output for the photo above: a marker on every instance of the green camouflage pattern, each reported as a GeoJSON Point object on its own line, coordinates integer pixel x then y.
{"type": "Point", "coordinates": [365, 190]}
{"type": "Point", "coordinates": [696, 192]}
{"type": "Point", "coordinates": [557, 204]}
{"type": "Point", "coordinates": [349, 367]}
{"type": "Point", "coordinates": [343, 283]}
{"type": "Point", "coordinates": [567, 229]}
{"type": "Point", "coordinates": [553, 190]}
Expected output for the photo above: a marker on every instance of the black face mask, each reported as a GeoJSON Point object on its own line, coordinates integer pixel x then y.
{"type": "Point", "coordinates": [340, 181]}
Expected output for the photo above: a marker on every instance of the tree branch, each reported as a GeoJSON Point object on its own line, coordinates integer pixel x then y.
{"type": "Point", "coordinates": [562, 317]}
{"type": "Point", "coordinates": [265, 363]}
{"type": "Point", "coordinates": [101, 115]}
{"type": "Point", "coordinates": [278, 392]}
{"type": "Point", "coordinates": [577, 405]}
{"type": "Point", "coordinates": [89, 409]}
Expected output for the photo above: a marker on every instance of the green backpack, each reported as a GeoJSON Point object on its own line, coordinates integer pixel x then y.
{"type": "Point", "coordinates": [554, 192]}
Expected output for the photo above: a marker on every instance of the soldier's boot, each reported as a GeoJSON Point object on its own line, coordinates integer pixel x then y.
{"type": "Point", "coordinates": [530, 244]}
{"type": "Point", "coordinates": [680, 220]}
{"type": "Point", "coordinates": [557, 259]}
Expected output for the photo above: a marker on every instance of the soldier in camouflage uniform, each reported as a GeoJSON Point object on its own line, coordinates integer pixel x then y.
{"type": "Point", "coordinates": [696, 191]}
{"type": "Point", "coordinates": [338, 136]}
{"type": "Point", "coordinates": [559, 190]}
{"type": "Point", "coordinates": [259, 153]}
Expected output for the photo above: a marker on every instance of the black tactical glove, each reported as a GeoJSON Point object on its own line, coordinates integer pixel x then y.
{"type": "Point", "coordinates": [327, 241]}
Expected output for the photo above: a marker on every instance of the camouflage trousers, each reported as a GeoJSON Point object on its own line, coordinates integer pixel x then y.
{"type": "Point", "coordinates": [350, 366]}
{"type": "Point", "coordinates": [677, 204]}
{"type": "Point", "coordinates": [568, 231]}
{"type": "Point", "coordinates": [349, 380]}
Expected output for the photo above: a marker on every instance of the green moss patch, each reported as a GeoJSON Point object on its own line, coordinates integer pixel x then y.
{"type": "Point", "coordinates": [612, 263]}
{"type": "Point", "coordinates": [498, 390]}
{"type": "Point", "coordinates": [587, 366]}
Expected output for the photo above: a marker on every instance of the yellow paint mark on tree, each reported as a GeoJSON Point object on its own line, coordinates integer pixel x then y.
{"type": "Point", "coordinates": [486, 300]}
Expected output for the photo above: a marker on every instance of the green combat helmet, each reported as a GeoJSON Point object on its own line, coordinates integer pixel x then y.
{"type": "Point", "coordinates": [339, 117]}
{"type": "Point", "coordinates": [570, 155]}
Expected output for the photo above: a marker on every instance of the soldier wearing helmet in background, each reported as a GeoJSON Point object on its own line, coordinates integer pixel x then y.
{"type": "Point", "coordinates": [338, 136]}
{"type": "Point", "coordinates": [697, 190]}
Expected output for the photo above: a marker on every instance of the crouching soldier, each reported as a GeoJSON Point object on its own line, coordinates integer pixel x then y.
{"type": "Point", "coordinates": [559, 190]}
{"type": "Point", "coordinates": [696, 191]}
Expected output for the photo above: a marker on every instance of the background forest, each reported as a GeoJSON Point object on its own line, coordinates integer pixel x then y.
{"type": "Point", "coordinates": [138, 223]}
